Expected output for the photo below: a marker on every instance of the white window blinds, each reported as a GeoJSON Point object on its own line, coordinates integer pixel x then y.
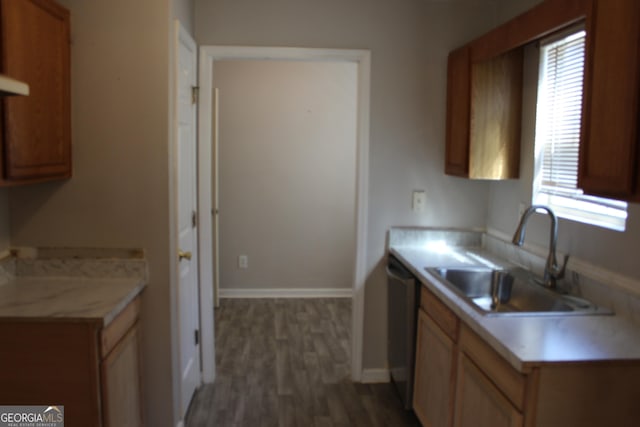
{"type": "Point", "coordinates": [560, 105]}
{"type": "Point", "coordinates": [558, 120]}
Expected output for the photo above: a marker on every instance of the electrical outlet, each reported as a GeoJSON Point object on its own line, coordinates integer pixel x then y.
{"type": "Point", "coordinates": [419, 202]}
{"type": "Point", "coordinates": [243, 261]}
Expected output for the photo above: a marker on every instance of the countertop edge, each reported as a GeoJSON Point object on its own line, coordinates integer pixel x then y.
{"type": "Point", "coordinates": [123, 303]}
{"type": "Point", "coordinates": [477, 322]}
{"type": "Point", "coordinates": [125, 290]}
{"type": "Point", "coordinates": [461, 309]}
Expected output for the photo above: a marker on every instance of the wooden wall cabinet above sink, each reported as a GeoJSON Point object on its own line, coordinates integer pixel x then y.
{"type": "Point", "coordinates": [35, 130]}
{"type": "Point", "coordinates": [483, 115]}
{"type": "Point", "coordinates": [609, 151]}
{"type": "Point", "coordinates": [484, 96]}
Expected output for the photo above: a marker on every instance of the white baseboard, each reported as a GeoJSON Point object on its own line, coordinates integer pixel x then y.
{"type": "Point", "coordinates": [286, 293]}
{"type": "Point", "coordinates": [372, 376]}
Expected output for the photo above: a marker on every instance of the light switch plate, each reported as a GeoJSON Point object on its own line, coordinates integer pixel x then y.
{"type": "Point", "coordinates": [243, 261]}
{"type": "Point", "coordinates": [419, 202]}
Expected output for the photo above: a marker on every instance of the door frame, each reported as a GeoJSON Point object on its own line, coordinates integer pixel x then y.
{"type": "Point", "coordinates": [210, 54]}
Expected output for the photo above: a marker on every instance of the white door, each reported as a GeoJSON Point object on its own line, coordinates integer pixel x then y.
{"type": "Point", "coordinates": [187, 256]}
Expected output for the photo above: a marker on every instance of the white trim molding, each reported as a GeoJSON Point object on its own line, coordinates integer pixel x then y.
{"type": "Point", "coordinates": [205, 243]}
{"type": "Point", "coordinates": [286, 293]}
{"type": "Point", "coordinates": [209, 54]}
{"type": "Point", "coordinates": [375, 376]}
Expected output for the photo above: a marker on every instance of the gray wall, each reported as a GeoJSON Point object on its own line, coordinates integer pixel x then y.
{"type": "Point", "coordinates": [183, 10]}
{"type": "Point", "coordinates": [508, 9]}
{"type": "Point", "coordinates": [119, 194]}
{"type": "Point", "coordinates": [409, 42]}
{"type": "Point", "coordinates": [616, 251]}
{"type": "Point", "coordinates": [287, 170]}
{"type": "Point", "coordinates": [5, 224]}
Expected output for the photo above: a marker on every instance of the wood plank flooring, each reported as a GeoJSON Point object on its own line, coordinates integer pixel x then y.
{"type": "Point", "coordinates": [286, 362]}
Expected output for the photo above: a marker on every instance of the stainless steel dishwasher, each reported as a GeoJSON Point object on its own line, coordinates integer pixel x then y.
{"type": "Point", "coordinates": [403, 299]}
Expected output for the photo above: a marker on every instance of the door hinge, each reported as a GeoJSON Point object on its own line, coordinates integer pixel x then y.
{"type": "Point", "coordinates": [195, 94]}
{"type": "Point", "coordinates": [194, 219]}
{"type": "Point", "coordinates": [197, 336]}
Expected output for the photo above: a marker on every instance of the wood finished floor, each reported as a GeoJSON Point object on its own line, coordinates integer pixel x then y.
{"type": "Point", "coordinates": [286, 362]}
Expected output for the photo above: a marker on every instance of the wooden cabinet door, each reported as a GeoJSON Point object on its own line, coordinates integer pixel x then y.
{"type": "Point", "coordinates": [458, 111]}
{"type": "Point", "coordinates": [36, 129]}
{"type": "Point", "coordinates": [51, 361]}
{"type": "Point", "coordinates": [121, 399]}
{"type": "Point", "coordinates": [496, 105]}
{"type": "Point", "coordinates": [484, 102]}
{"type": "Point", "coordinates": [433, 393]}
{"type": "Point", "coordinates": [608, 151]}
{"type": "Point", "coordinates": [478, 402]}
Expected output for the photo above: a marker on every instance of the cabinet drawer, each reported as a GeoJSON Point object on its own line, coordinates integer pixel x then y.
{"type": "Point", "coordinates": [510, 382]}
{"type": "Point", "coordinates": [440, 313]}
{"type": "Point", "coordinates": [118, 327]}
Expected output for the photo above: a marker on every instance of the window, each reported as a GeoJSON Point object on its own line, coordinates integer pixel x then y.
{"type": "Point", "coordinates": [558, 118]}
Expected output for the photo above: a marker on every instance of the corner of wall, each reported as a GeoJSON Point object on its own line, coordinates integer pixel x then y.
{"type": "Point", "coordinates": [5, 223]}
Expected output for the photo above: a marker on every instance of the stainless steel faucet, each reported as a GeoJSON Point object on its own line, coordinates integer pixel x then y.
{"type": "Point", "coordinates": [552, 272]}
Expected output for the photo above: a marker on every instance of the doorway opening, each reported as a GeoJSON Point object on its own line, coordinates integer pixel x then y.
{"type": "Point", "coordinates": [209, 55]}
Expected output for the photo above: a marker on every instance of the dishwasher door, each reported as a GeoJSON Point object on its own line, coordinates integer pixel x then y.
{"type": "Point", "coordinates": [403, 298]}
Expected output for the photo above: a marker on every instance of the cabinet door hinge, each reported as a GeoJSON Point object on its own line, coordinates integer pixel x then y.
{"type": "Point", "coordinates": [195, 94]}
{"type": "Point", "coordinates": [197, 336]}
{"type": "Point", "coordinates": [194, 219]}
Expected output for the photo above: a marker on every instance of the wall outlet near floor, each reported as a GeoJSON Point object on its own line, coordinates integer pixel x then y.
{"type": "Point", "coordinates": [243, 261]}
{"type": "Point", "coordinates": [419, 202]}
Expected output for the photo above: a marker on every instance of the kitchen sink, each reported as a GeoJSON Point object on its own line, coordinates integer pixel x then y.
{"type": "Point", "coordinates": [512, 292]}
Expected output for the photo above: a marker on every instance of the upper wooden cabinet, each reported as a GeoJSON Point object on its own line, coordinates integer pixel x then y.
{"type": "Point", "coordinates": [483, 115]}
{"type": "Point", "coordinates": [484, 92]}
{"type": "Point", "coordinates": [36, 129]}
{"type": "Point", "coordinates": [609, 146]}
{"type": "Point", "coordinates": [458, 112]}
{"type": "Point", "coordinates": [496, 111]}
{"type": "Point", "coordinates": [609, 163]}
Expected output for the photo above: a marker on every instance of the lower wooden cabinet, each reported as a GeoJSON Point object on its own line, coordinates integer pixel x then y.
{"type": "Point", "coordinates": [120, 376]}
{"type": "Point", "coordinates": [461, 381]}
{"type": "Point", "coordinates": [479, 403]}
{"type": "Point", "coordinates": [93, 371]}
{"type": "Point", "coordinates": [435, 374]}
{"type": "Point", "coordinates": [436, 354]}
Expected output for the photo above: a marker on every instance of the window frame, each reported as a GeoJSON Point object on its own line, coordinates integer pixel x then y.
{"type": "Point", "coordinates": [568, 203]}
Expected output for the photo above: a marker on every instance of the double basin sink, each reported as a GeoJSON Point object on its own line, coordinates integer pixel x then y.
{"type": "Point", "coordinates": [511, 292]}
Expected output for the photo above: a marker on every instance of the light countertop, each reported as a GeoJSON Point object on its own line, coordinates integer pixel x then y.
{"type": "Point", "coordinates": [525, 342]}
{"type": "Point", "coordinates": [67, 298]}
